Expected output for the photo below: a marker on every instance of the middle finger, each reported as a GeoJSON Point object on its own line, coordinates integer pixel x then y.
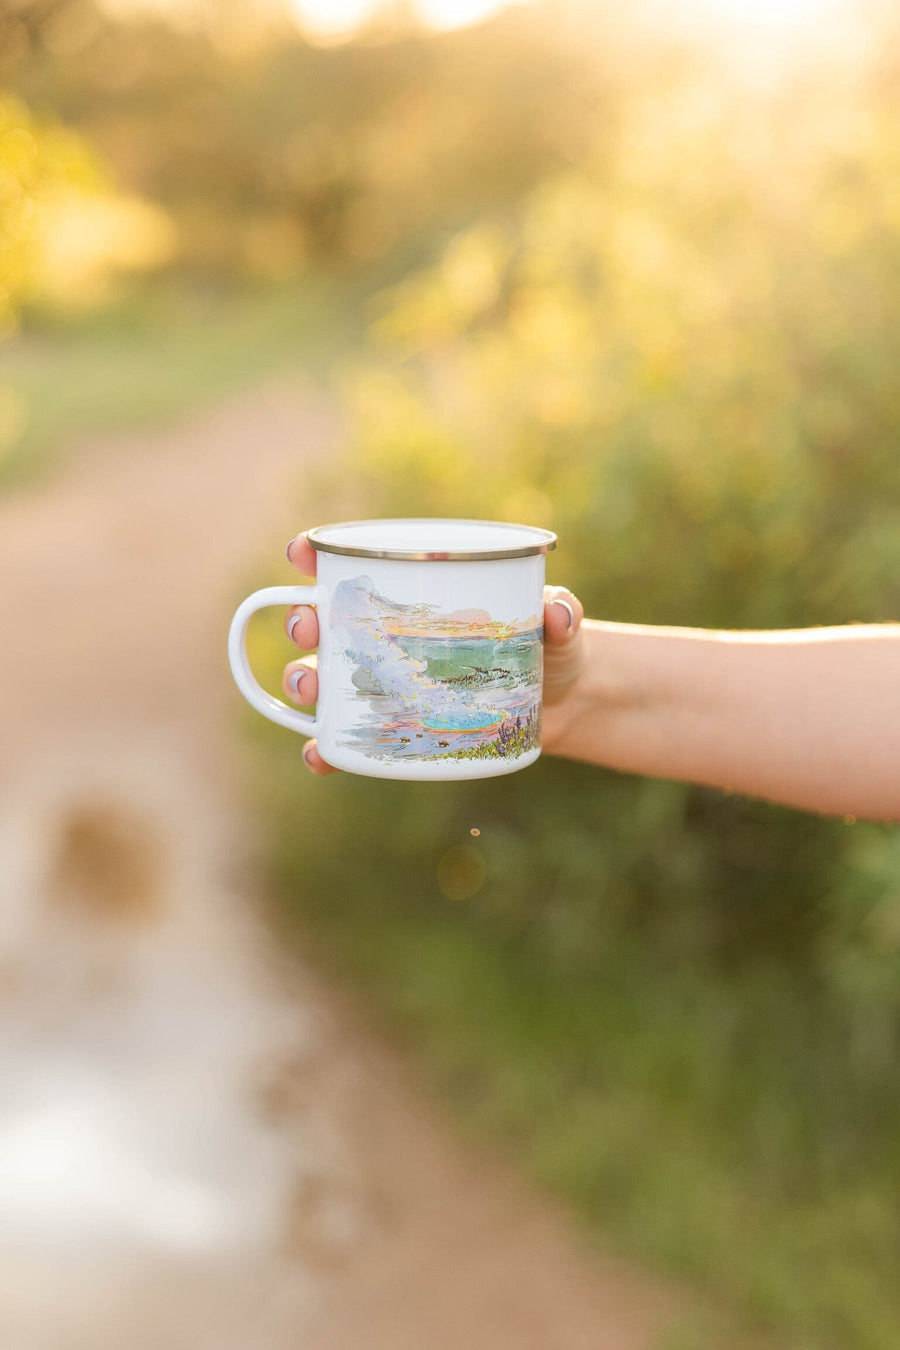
{"type": "Point", "coordinates": [301, 624]}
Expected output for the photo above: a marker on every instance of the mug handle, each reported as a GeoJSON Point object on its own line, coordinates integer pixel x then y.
{"type": "Point", "coordinates": [246, 681]}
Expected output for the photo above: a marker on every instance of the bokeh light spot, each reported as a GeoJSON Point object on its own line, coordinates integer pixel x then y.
{"type": "Point", "coordinates": [461, 872]}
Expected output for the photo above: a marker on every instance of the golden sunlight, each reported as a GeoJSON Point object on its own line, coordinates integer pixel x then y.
{"type": "Point", "coordinates": [87, 238]}
{"type": "Point", "coordinates": [335, 20]}
{"type": "Point", "coordinates": [770, 13]}
{"type": "Point", "coordinates": [339, 17]}
{"type": "Point", "coordinates": [326, 19]}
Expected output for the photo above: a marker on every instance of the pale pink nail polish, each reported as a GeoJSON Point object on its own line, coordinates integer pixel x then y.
{"type": "Point", "coordinates": [293, 623]}
{"type": "Point", "coordinates": [294, 680]}
{"type": "Point", "coordinates": [569, 610]}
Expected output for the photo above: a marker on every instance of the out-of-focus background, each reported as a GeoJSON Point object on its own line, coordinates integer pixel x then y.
{"type": "Point", "coordinates": [290, 1061]}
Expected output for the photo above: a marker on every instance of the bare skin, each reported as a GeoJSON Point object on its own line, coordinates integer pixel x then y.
{"type": "Point", "coordinates": [807, 718]}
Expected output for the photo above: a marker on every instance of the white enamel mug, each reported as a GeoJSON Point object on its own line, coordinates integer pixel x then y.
{"type": "Point", "coordinates": [430, 656]}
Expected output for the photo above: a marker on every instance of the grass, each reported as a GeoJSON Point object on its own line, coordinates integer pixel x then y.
{"type": "Point", "coordinates": [675, 1110]}
{"type": "Point", "coordinates": [150, 359]}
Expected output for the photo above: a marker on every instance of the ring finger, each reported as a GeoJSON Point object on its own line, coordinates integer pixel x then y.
{"type": "Point", "coordinates": [301, 681]}
{"type": "Point", "coordinates": [301, 623]}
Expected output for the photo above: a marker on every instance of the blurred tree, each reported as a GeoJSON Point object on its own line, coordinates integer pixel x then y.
{"type": "Point", "coordinates": [30, 27]}
{"type": "Point", "coordinates": [273, 152]}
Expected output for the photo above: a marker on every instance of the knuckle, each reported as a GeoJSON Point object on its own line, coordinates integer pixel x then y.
{"type": "Point", "coordinates": [558, 593]}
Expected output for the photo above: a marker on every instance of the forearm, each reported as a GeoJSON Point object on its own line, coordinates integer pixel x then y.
{"type": "Point", "coordinates": [809, 718]}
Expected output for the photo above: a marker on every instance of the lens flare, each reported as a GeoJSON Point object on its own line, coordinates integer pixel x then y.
{"type": "Point", "coordinates": [461, 872]}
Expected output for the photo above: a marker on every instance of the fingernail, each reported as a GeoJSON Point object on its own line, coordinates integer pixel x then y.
{"type": "Point", "coordinates": [569, 610]}
{"type": "Point", "coordinates": [287, 547]}
{"type": "Point", "coordinates": [294, 621]}
{"type": "Point", "coordinates": [294, 680]}
{"type": "Point", "coordinates": [305, 753]}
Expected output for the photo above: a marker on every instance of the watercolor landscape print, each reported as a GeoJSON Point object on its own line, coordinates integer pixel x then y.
{"type": "Point", "coordinates": [432, 684]}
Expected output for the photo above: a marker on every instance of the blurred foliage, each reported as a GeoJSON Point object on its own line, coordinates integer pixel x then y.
{"type": "Point", "coordinates": [39, 165]}
{"type": "Point", "coordinates": [680, 1007]}
{"type": "Point", "coordinates": [272, 154]}
{"type": "Point", "coordinates": [233, 160]}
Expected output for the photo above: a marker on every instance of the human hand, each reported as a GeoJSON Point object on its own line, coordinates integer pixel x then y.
{"type": "Point", "coordinates": [563, 653]}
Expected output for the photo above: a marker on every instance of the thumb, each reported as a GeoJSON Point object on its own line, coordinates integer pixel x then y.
{"type": "Point", "coordinates": [563, 644]}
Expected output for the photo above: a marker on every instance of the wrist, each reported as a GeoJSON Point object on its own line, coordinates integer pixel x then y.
{"type": "Point", "coordinates": [634, 690]}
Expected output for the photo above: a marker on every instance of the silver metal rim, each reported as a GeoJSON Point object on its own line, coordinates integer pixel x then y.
{"type": "Point", "coordinates": [413, 555]}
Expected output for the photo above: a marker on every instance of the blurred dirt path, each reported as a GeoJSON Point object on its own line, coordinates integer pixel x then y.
{"type": "Point", "coordinates": [200, 1148]}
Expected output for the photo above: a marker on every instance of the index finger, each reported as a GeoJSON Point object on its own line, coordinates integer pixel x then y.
{"type": "Point", "coordinates": [301, 555]}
